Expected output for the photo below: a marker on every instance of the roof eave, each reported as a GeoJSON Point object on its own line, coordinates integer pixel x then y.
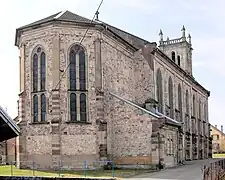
{"type": "Point", "coordinates": [29, 27]}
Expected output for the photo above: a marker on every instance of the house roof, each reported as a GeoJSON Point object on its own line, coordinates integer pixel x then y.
{"type": "Point", "coordinates": [8, 128]}
{"type": "Point", "coordinates": [218, 130]}
{"type": "Point", "coordinates": [134, 41]}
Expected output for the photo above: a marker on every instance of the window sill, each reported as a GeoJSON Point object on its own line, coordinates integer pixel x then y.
{"type": "Point", "coordinates": [35, 123]}
{"type": "Point", "coordinates": [77, 122]}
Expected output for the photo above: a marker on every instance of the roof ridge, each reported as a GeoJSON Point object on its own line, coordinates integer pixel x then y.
{"type": "Point", "coordinates": [59, 15]}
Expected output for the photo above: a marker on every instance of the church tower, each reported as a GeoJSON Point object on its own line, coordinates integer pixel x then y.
{"type": "Point", "coordinates": [179, 50]}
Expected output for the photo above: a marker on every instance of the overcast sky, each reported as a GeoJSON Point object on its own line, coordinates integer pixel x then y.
{"type": "Point", "coordinates": [204, 19]}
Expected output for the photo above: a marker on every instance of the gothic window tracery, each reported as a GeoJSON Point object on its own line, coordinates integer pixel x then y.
{"type": "Point", "coordinates": [173, 55]}
{"type": "Point", "coordinates": [170, 91]}
{"type": "Point", "coordinates": [159, 90]}
{"type": "Point", "coordinates": [38, 84]}
{"type": "Point", "coordinates": [78, 84]}
{"type": "Point", "coordinates": [180, 101]}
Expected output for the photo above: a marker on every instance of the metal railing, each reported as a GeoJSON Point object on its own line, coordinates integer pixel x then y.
{"type": "Point", "coordinates": [214, 170]}
{"type": "Point", "coordinates": [61, 169]}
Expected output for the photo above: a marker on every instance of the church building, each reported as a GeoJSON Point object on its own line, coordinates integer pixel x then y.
{"type": "Point", "coordinates": [105, 94]}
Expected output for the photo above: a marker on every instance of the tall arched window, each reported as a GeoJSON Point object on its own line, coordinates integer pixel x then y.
{"type": "Point", "coordinates": [72, 66]}
{"type": "Point", "coordinates": [35, 108]}
{"type": "Point", "coordinates": [43, 108]}
{"type": "Point", "coordinates": [35, 73]}
{"type": "Point", "coordinates": [83, 113]}
{"type": "Point", "coordinates": [42, 71]}
{"type": "Point", "coordinates": [82, 72]}
{"type": "Point", "coordinates": [39, 81]}
{"type": "Point", "coordinates": [193, 105]}
{"type": "Point", "coordinates": [159, 90]}
{"type": "Point", "coordinates": [199, 109]}
{"type": "Point", "coordinates": [78, 90]}
{"type": "Point", "coordinates": [170, 90]}
{"type": "Point", "coordinates": [173, 55]}
{"type": "Point", "coordinates": [178, 60]}
{"type": "Point", "coordinates": [187, 102]}
{"type": "Point", "coordinates": [205, 111]}
{"type": "Point", "coordinates": [180, 101]}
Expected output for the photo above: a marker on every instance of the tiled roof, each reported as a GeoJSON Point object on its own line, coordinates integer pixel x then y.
{"type": "Point", "coordinates": [47, 19]}
{"type": "Point", "coordinates": [71, 17]}
{"type": "Point", "coordinates": [137, 42]}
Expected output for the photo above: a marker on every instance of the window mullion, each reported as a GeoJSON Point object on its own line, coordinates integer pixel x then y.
{"type": "Point", "coordinates": [78, 106]}
{"type": "Point", "coordinates": [77, 72]}
{"type": "Point", "coordinates": [39, 108]}
{"type": "Point", "coordinates": [39, 73]}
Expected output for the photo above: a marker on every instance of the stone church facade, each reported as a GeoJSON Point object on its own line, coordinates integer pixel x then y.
{"type": "Point", "coordinates": [108, 96]}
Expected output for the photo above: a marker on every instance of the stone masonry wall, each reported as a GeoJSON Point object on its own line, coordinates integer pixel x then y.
{"type": "Point", "coordinates": [186, 85]}
{"type": "Point", "coordinates": [129, 76]}
{"type": "Point", "coordinates": [2, 153]}
{"type": "Point", "coordinates": [78, 142]}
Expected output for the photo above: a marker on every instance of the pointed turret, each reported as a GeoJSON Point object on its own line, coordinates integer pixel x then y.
{"type": "Point", "coordinates": [161, 35]}
{"type": "Point", "coordinates": [183, 32]}
{"type": "Point", "coordinates": [189, 38]}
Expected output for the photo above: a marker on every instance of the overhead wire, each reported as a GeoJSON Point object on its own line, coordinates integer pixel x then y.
{"type": "Point", "coordinates": [62, 76]}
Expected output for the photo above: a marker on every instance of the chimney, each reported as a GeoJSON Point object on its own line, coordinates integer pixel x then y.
{"type": "Point", "coordinates": [216, 126]}
{"type": "Point", "coordinates": [222, 128]}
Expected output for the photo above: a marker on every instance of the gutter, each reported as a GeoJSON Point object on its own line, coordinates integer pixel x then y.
{"type": "Point", "coordinates": [134, 105]}
{"type": "Point", "coordinates": [156, 115]}
{"type": "Point", "coordinates": [168, 118]}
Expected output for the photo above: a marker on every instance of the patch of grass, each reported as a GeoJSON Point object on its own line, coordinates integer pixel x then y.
{"type": "Point", "coordinates": [218, 155]}
{"type": "Point", "coordinates": [6, 171]}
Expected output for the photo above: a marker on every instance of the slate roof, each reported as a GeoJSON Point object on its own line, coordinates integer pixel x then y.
{"type": "Point", "coordinates": [60, 16]}
{"type": "Point", "coordinates": [137, 42]}
{"type": "Point", "coordinates": [68, 16]}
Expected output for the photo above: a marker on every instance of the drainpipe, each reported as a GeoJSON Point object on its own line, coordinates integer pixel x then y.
{"type": "Point", "coordinates": [15, 151]}
{"type": "Point", "coordinates": [159, 147]}
{"type": "Point", "coordinates": [178, 148]}
{"type": "Point", "coordinates": [158, 135]}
